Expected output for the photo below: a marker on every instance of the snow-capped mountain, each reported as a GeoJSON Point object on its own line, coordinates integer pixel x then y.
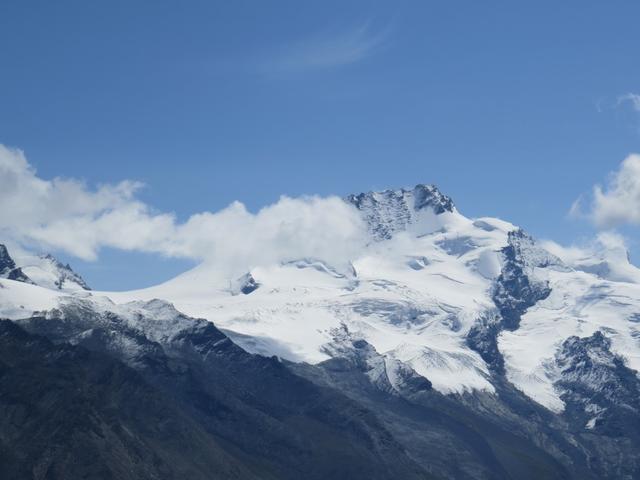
{"type": "Point", "coordinates": [450, 296]}
{"type": "Point", "coordinates": [474, 310]}
{"type": "Point", "coordinates": [47, 271]}
{"type": "Point", "coordinates": [43, 270]}
{"type": "Point", "coordinates": [393, 211]}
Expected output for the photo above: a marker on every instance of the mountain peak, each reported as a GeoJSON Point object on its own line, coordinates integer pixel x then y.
{"type": "Point", "coordinates": [419, 197]}
{"type": "Point", "coordinates": [390, 211]}
{"type": "Point", "coordinates": [431, 196]}
{"type": "Point", "coordinates": [9, 269]}
{"type": "Point", "coordinates": [55, 274]}
{"type": "Point", "coordinates": [43, 270]}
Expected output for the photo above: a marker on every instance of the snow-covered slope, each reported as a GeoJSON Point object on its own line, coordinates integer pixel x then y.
{"type": "Point", "coordinates": [47, 271]}
{"type": "Point", "coordinates": [579, 304]}
{"type": "Point", "coordinates": [462, 302]}
{"type": "Point", "coordinates": [413, 297]}
{"type": "Point", "coordinates": [43, 270]}
{"type": "Point", "coordinates": [19, 299]}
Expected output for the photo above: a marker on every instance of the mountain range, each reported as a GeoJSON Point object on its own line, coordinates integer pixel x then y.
{"type": "Point", "coordinates": [447, 347]}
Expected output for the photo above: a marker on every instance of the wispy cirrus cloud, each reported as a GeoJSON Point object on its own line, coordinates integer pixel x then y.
{"type": "Point", "coordinates": [628, 100]}
{"type": "Point", "coordinates": [632, 99]}
{"type": "Point", "coordinates": [328, 49]}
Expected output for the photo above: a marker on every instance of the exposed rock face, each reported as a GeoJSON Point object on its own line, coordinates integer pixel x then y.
{"type": "Point", "coordinates": [386, 373]}
{"type": "Point", "coordinates": [483, 338]}
{"type": "Point", "coordinates": [602, 403]}
{"type": "Point", "coordinates": [244, 285]}
{"type": "Point", "coordinates": [600, 391]}
{"type": "Point", "coordinates": [391, 211]}
{"type": "Point", "coordinates": [515, 290]}
{"type": "Point", "coordinates": [8, 268]}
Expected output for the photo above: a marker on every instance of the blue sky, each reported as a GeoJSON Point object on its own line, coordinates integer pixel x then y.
{"type": "Point", "coordinates": [513, 109]}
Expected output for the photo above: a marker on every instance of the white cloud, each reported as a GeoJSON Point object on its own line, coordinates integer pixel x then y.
{"type": "Point", "coordinates": [328, 50]}
{"type": "Point", "coordinates": [619, 202]}
{"type": "Point", "coordinates": [606, 256]}
{"type": "Point", "coordinates": [605, 244]}
{"type": "Point", "coordinates": [632, 99]}
{"type": "Point", "coordinates": [68, 215]}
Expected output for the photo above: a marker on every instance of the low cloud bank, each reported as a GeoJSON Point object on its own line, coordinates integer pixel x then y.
{"type": "Point", "coordinates": [68, 215]}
